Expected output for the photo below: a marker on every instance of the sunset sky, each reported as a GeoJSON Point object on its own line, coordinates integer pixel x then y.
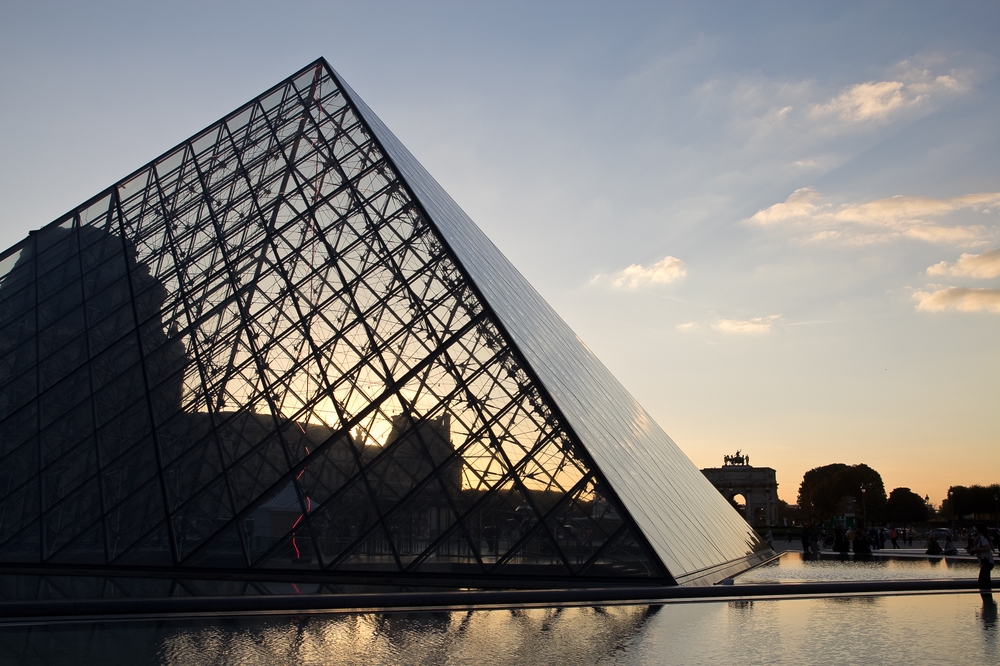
{"type": "Point", "coordinates": [778, 224]}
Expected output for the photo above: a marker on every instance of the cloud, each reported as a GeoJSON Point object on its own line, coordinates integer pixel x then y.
{"type": "Point", "coordinates": [962, 299]}
{"type": "Point", "coordinates": [915, 217]}
{"type": "Point", "coordinates": [875, 101]}
{"type": "Point", "coordinates": [800, 204]}
{"type": "Point", "coordinates": [984, 265]}
{"type": "Point", "coordinates": [687, 327]}
{"type": "Point", "coordinates": [753, 325]}
{"type": "Point", "coordinates": [804, 114]}
{"type": "Point", "coordinates": [665, 271]}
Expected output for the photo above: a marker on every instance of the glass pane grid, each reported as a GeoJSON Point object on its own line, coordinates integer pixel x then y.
{"type": "Point", "coordinates": [315, 382]}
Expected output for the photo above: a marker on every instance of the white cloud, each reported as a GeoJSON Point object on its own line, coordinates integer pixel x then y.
{"type": "Point", "coordinates": [962, 299]}
{"type": "Point", "coordinates": [801, 115]}
{"type": "Point", "coordinates": [984, 265]}
{"type": "Point", "coordinates": [753, 325]}
{"type": "Point", "coordinates": [666, 270]}
{"type": "Point", "coordinates": [915, 217]}
{"type": "Point", "coordinates": [800, 204]}
{"type": "Point", "coordinates": [874, 101]}
{"type": "Point", "coordinates": [687, 327]}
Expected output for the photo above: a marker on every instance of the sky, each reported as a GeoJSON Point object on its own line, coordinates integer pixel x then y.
{"type": "Point", "coordinates": [778, 224]}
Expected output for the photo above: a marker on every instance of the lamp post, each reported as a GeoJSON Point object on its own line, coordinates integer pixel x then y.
{"type": "Point", "coordinates": [951, 508]}
{"type": "Point", "coordinates": [864, 504]}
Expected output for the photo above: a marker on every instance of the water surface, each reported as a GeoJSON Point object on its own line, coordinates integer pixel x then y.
{"type": "Point", "coordinates": [842, 630]}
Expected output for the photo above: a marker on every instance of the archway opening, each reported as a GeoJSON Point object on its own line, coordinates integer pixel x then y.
{"type": "Point", "coordinates": [739, 502]}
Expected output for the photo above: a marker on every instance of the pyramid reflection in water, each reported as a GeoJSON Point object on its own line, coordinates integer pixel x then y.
{"type": "Point", "coordinates": [282, 347]}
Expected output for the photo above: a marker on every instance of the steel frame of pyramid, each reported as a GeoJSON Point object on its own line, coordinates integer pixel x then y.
{"type": "Point", "coordinates": [282, 349]}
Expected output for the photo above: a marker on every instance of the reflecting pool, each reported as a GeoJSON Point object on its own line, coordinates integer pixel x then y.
{"type": "Point", "coordinates": [843, 630]}
{"type": "Point", "coordinates": [796, 567]}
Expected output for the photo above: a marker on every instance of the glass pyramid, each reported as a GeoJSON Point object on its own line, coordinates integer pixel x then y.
{"type": "Point", "coordinates": [282, 347]}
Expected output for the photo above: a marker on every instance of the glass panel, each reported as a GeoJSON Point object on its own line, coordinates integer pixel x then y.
{"type": "Point", "coordinates": [151, 550]}
{"type": "Point", "coordinates": [67, 430]}
{"type": "Point", "coordinates": [63, 280]}
{"type": "Point", "coordinates": [224, 551]}
{"type": "Point", "coordinates": [18, 428]}
{"type": "Point", "coordinates": [18, 509]}
{"type": "Point", "coordinates": [113, 362]}
{"type": "Point", "coordinates": [134, 516]}
{"type": "Point", "coordinates": [258, 471]}
{"type": "Point", "coordinates": [96, 213]}
{"type": "Point", "coordinates": [452, 554]}
{"type": "Point", "coordinates": [71, 517]}
{"type": "Point", "coordinates": [279, 519]}
{"type": "Point", "coordinates": [373, 553]}
{"type": "Point", "coordinates": [55, 247]}
{"type": "Point", "coordinates": [295, 551]}
{"type": "Point", "coordinates": [18, 467]}
{"type": "Point", "coordinates": [499, 521]}
{"type": "Point", "coordinates": [67, 472]}
{"type": "Point", "coordinates": [52, 338]}
{"type": "Point", "coordinates": [536, 556]}
{"type": "Point", "coordinates": [14, 268]}
{"type": "Point", "coordinates": [23, 547]}
{"type": "Point", "coordinates": [343, 520]}
{"type": "Point", "coordinates": [420, 520]}
{"type": "Point", "coordinates": [583, 524]}
{"type": "Point", "coordinates": [106, 270]}
{"type": "Point", "coordinates": [328, 470]}
{"type": "Point", "coordinates": [116, 394]}
{"type": "Point", "coordinates": [16, 362]}
{"type": "Point", "coordinates": [64, 361]}
{"type": "Point", "coordinates": [125, 474]}
{"type": "Point", "coordinates": [87, 548]}
{"type": "Point", "coordinates": [61, 398]}
{"type": "Point", "coordinates": [201, 518]}
{"type": "Point", "coordinates": [16, 313]}
{"type": "Point", "coordinates": [121, 432]}
{"type": "Point", "coordinates": [624, 557]}
{"type": "Point", "coordinates": [192, 471]}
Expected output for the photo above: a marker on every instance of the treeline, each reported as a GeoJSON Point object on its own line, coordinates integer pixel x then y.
{"type": "Point", "coordinates": [972, 502]}
{"type": "Point", "coordinates": [836, 490]}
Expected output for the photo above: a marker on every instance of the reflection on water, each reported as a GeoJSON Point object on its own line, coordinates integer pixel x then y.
{"type": "Point", "coordinates": [793, 567]}
{"type": "Point", "coordinates": [834, 630]}
{"type": "Point", "coordinates": [989, 613]}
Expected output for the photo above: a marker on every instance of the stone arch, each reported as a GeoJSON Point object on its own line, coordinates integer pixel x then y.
{"type": "Point", "coordinates": [756, 486]}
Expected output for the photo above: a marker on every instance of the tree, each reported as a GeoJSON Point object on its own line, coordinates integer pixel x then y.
{"type": "Point", "coordinates": [972, 502]}
{"type": "Point", "coordinates": [826, 491]}
{"type": "Point", "coordinates": [906, 507]}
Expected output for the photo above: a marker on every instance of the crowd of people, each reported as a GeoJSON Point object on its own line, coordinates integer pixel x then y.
{"type": "Point", "coordinates": [979, 542]}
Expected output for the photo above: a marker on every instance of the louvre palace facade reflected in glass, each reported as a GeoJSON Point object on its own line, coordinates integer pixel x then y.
{"type": "Point", "coordinates": [281, 347]}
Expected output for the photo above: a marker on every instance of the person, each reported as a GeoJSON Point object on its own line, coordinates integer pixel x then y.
{"type": "Point", "coordinates": [894, 537]}
{"type": "Point", "coordinates": [862, 546]}
{"type": "Point", "coordinates": [983, 549]}
{"type": "Point", "coordinates": [933, 547]}
{"type": "Point", "coordinates": [949, 547]}
{"type": "Point", "coordinates": [769, 538]}
{"type": "Point", "coordinates": [805, 538]}
{"type": "Point", "coordinates": [838, 538]}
